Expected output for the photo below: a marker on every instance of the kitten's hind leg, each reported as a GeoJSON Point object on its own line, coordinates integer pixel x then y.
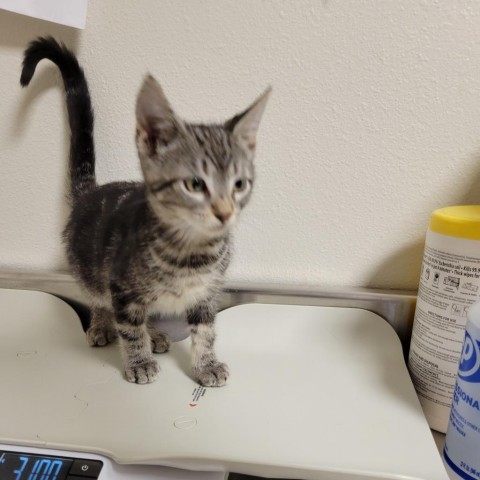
{"type": "Point", "coordinates": [102, 327]}
{"type": "Point", "coordinates": [206, 369]}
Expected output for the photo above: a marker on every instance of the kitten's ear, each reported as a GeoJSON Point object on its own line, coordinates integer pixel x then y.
{"type": "Point", "coordinates": [244, 126]}
{"type": "Point", "coordinates": [157, 124]}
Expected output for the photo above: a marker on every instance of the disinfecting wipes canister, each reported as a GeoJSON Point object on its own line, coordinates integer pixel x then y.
{"type": "Point", "coordinates": [449, 285]}
{"type": "Point", "coordinates": [462, 444]}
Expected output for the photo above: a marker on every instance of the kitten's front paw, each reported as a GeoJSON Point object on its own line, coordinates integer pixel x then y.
{"type": "Point", "coordinates": [214, 375]}
{"type": "Point", "coordinates": [98, 337]}
{"type": "Point", "coordinates": [145, 373]}
{"type": "Point", "coordinates": [160, 342]}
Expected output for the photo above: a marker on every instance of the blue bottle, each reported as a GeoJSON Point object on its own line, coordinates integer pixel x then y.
{"type": "Point", "coordinates": [462, 444]}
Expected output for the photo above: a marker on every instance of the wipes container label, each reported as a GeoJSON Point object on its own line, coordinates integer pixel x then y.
{"type": "Point", "coordinates": [449, 285]}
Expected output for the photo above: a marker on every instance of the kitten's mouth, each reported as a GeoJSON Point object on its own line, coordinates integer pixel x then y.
{"type": "Point", "coordinates": [216, 228]}
{"type": "Point", "coordinates": [227, 225]}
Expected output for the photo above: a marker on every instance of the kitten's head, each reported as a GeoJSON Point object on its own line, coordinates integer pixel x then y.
{"type": "Point", "coordinates": [198, 177]}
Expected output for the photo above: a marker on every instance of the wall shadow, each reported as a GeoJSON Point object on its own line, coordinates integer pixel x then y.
{"type": "Point", "coordinates": [401, 270]}
{"type": "Point", "coordinates": [43, 81]}
{"type": "Point", "coordinates": [471, 194]}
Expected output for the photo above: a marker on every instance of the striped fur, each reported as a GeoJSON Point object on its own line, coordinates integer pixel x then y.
{"type": "Point", "coordinates": [80, 113]}
{"type": "Point", "coordinates": [161, 246]}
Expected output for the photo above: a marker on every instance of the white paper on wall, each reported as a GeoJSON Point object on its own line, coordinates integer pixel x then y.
{"type": "Point", "coordinates": [67, 12]}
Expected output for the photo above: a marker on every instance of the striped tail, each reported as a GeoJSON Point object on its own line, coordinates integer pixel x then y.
{"type": "Point", "coordinates": [79, 106]}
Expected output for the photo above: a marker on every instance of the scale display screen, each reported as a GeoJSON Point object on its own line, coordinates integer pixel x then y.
{"type": "Point", "coordinates": [25, 466]}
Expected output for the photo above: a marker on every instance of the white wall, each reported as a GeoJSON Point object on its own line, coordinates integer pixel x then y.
{"type": "Point", "coordinates": [373, 123]}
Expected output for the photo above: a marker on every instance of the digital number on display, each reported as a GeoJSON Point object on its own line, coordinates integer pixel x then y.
{"type": "Point", "coordinates": [21, 466]}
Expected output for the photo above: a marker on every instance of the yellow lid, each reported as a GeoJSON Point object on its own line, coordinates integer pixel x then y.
{"type": "Point", "coordinates": [462, 221]}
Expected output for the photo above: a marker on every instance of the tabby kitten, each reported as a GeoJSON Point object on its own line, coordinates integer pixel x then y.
{"type": "Point", "coordinates": [161, 246]}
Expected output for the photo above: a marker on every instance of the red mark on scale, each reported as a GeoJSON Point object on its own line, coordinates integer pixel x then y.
{"type": "Point", "coordinates": [193, 404]}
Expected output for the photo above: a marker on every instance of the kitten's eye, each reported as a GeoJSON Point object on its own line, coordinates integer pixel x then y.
{"type": "Point", "coordinates": [195, 185]}
{"type": "Point", "coordinates": [240, 185]}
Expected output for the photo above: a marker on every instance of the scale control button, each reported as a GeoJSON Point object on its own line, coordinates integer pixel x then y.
{"type": "Point", "coordinates": [85, 468]}
{"type": "Point", "coordinates": [185, 423]}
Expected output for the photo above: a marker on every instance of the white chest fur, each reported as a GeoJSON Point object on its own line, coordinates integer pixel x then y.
{"type": "Point", "coordinates": [183, 293]}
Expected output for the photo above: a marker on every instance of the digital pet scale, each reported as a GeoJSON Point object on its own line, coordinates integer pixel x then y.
{"type": "Point", "coordinates": [315, 393]}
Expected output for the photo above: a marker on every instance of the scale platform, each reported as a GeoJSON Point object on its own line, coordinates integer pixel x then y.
{"type": "Point", "coordinates": [315, 393]}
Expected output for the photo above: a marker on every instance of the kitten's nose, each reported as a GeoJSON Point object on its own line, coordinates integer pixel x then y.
{"type": "Point", "coordinates": [222, 210]}
{"type": "Point", "coordinates": [223, 216]}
